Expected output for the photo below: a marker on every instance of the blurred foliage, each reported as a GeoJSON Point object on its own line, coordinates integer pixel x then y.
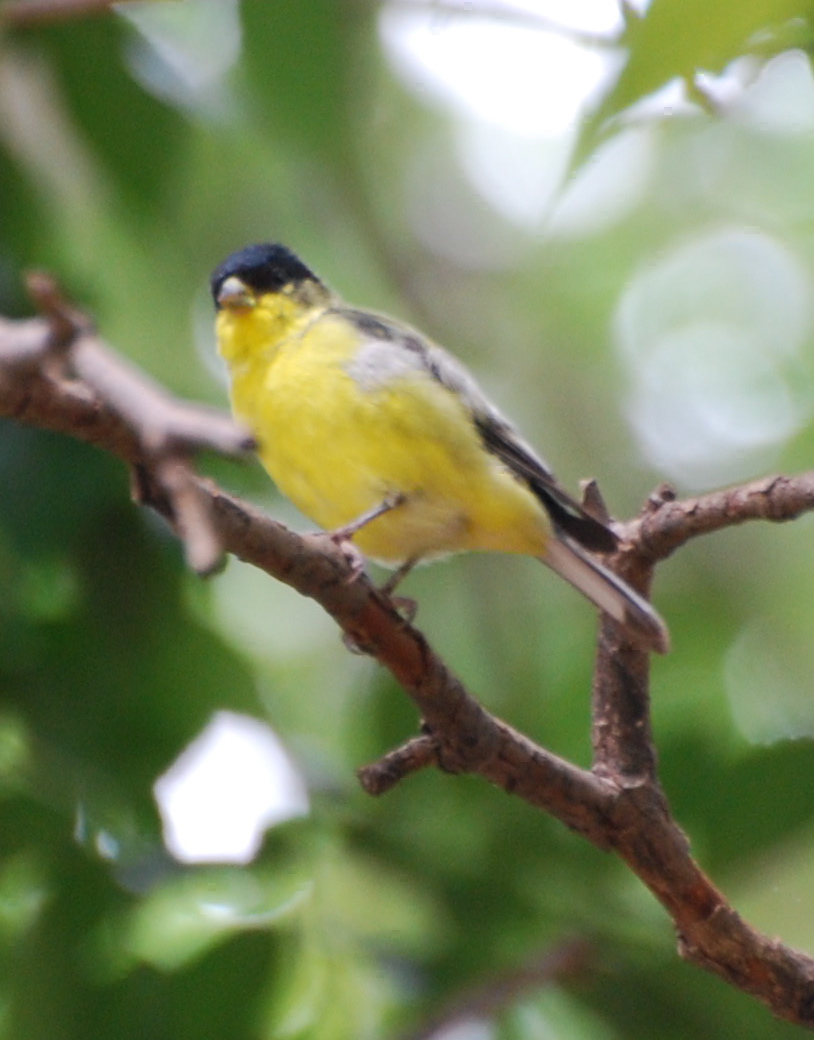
{"type": "Point", "coordinates": [654, 320]}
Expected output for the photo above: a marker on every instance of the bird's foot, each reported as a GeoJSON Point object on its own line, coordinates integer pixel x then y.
{"type": "Point", "coordinates": [407, 607]}
{"type": "Point", "coordinates": [354, 557]}
{"type": "Point", "coordinates": [347, 531]}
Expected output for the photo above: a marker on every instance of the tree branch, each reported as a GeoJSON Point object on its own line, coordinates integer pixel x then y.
{"type": "Point", "coordinates": [493, 995]}
{"type": "Point", "coordinates": [59, 357]}
{"type": "Point", "coordinates": [28, 13]}
{"type": "Point", "coordinates": [667, 524]}
{"type": "Point", "coordinates": [56, 374]}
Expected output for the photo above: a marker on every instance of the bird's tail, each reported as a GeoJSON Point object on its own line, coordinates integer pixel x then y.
{"type": "Point", "coordinates": [608, 592]}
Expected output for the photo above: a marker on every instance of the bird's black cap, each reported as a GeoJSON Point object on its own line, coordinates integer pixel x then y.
{"type": "Point", "coordinates": [265, 267]}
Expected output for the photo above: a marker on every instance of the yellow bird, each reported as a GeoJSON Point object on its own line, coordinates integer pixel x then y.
{"type": "Point", "coordinates": [377, 434]}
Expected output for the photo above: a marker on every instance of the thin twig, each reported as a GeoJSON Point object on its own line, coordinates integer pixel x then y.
{"type": "Point", "coordinates": [380, 776]}
{"type": "Point", "coordinates": [28, 13]}
{"type": "Point", "coordinates": [485, 1000]}
{"type": "Point", "coordinates": [668, 523]}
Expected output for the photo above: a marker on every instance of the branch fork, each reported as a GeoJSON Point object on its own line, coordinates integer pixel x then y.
{"type": "Point", "coordinates": [64, 344]}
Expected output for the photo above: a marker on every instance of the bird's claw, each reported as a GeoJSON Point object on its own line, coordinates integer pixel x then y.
{"type": "Point", "coordinates": [353, 556]}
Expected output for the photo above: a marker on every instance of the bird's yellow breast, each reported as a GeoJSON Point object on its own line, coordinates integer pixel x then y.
{"type": "Point", "coordinates": [339, 438]}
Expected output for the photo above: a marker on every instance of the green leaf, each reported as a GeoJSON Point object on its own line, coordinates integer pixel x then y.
{"type": "Point", "coordinates": [677, 38]}
{"type": "Point", "coordinates": [182, 919]}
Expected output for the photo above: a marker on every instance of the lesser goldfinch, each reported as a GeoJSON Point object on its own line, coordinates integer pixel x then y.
{"type": "Point", "coordinates": [370, 428]}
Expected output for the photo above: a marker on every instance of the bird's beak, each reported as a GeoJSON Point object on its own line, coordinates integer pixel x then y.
{"type": "Point", "coordinates": [235, 294]}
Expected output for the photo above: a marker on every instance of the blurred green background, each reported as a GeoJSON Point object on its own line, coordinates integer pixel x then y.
{"type": "Point", "coordinates": [625, 261]}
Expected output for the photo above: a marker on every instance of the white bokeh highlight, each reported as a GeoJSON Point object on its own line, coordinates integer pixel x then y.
{"type": "Point", "coordinates": [713, 338]}
{"type": "Point", "coordinates": [768, 684]}
{"type": "Point", "coordinates": [224, 791]}
{"type": "Point", "coordinates": [516, 80]}
{"type": "Point", "coordinates": [182, 52]}
{"type": "Point", "coordinates": [530, 82]}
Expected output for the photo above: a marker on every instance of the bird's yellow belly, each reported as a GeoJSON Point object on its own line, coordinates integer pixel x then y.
{"type": "Point", "coordinates": [338, 450]}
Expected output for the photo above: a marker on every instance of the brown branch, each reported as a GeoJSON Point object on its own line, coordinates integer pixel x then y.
{"type": "Point", "coordinates": [24, 14]}
{"type": "Point", "coordinates": [621, 732]}
{"type": "Point", "coordinates": [617, 805]}
{"type": "Point", "coordinates": [667, 523]}
{"type": "Point", "coordinates": [493, 995]}
{"type": "Point", "coordinates": [161, 432]}
{"type": "Point", "coordinates": [399, 763]}
{"type": "Point", "coordinates": [162, 424]}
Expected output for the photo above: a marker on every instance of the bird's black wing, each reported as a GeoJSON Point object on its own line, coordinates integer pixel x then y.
{"type": "Point", "coordinates": [497, 434]}
{"type": "Point", "coordinates": [567, 515]}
